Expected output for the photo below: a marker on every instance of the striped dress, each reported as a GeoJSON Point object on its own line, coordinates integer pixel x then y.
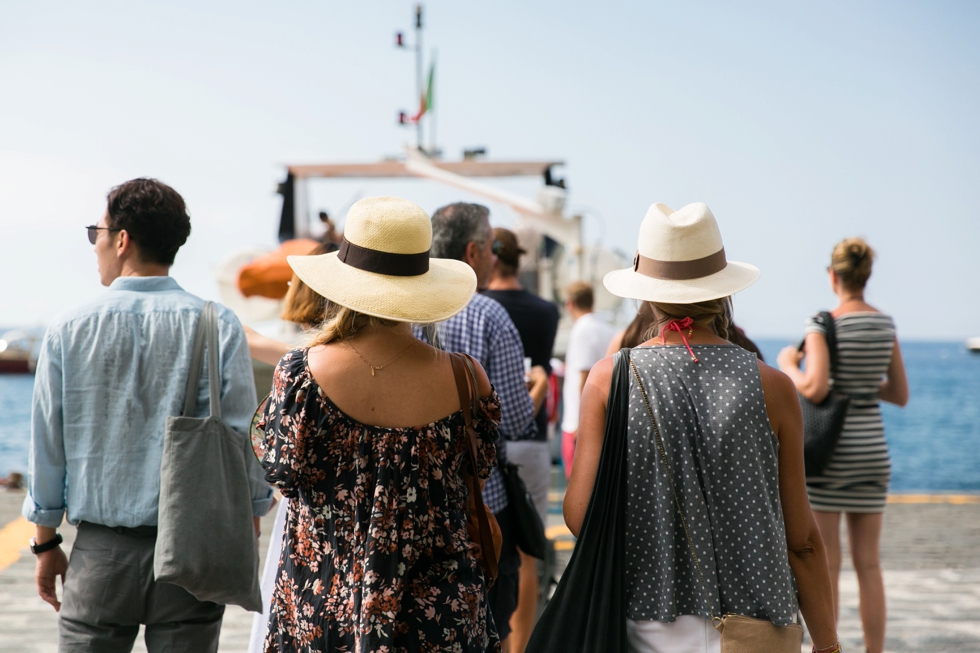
{"type": "Point", "coordinates": [856, 480]}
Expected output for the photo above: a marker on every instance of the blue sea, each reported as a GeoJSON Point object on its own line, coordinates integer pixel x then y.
{"type": "Point", "coordinates": [934, 441]}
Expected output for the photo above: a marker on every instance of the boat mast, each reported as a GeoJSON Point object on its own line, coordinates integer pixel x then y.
{"type": "Point", "coordinates": [433, 148]}
{"type": "Point", "coordinates": [418, 71]}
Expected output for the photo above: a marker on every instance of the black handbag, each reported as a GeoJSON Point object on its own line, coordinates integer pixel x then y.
{"type": "Point", "coordinates": [530, 531]}
{"type": "Point", "coordinates": [587, 613]}
{"type": "Point", "coordinates": [823, 422]}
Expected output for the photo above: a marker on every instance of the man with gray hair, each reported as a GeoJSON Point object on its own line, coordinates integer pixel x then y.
{"type": "Point", "coordinates": [485, 331]}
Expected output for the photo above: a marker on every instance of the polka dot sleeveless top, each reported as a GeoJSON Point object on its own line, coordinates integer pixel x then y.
{"type": "Point", "coordinates": [723, 457]}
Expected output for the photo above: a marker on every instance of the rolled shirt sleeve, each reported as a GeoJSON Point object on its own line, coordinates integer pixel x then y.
{"type": "Point", "coordinates": [44, 504]}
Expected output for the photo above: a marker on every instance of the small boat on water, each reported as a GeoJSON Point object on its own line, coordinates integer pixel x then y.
{"type": "Point", "coordinates": [17, 352]}
{"type": "Point", "coordinates": [973, 345]}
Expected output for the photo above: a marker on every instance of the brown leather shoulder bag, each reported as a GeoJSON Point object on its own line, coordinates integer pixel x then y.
{"type": "Point", "coordinates": [480, 523]}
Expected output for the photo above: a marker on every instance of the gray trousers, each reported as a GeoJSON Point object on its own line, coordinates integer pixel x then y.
{"type": "Point", "coordinates": [533, 460]}
{"type": "Point", "coordinates": [110, 590]}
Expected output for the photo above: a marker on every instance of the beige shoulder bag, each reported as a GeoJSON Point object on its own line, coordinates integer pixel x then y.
{"type": "Point", "coordinates": [739, 633]}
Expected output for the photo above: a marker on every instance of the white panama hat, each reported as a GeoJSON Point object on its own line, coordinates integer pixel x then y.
{"type": "Point", "coordinates": [383, 266]}
{"type": "Point", "coordinates": [680, 259]}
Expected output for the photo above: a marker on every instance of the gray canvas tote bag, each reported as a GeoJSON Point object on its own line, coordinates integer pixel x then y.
{"type": "Point", "coordinates": [205, 535]}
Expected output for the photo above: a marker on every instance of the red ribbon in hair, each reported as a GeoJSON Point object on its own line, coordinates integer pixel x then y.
{"type": "Point", "coordinates": [680, 326]}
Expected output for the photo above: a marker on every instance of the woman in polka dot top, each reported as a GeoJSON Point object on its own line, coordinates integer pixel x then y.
{"type": "Point", "coordinates": [732, 438]}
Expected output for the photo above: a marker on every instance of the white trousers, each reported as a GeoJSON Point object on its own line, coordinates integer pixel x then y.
{"type": "Point", "coordinates": [260, 621]}
{"type": "Point", "coordinates": [688, 634]}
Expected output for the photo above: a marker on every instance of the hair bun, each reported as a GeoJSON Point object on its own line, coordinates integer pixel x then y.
{"type": "Point", "coordinates": [851, 260]}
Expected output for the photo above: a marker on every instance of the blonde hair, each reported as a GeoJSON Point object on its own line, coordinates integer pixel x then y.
{"type": "Point", "coordinates": [714, 314]}
{"type": "Point", "coordinates": [303, 305]}
{"type": "Point", "coordinates": [341, 323]}
{"type": "Point", "coordinates": [851, 261]}
{"type": "Point", "coordinates": [580, 294]}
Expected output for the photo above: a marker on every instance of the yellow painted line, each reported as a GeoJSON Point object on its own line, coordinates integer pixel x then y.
{"type": "Point", "coordinates": [564, 545]}
{"type": "Point", "coordinates": [960, 499]}
{"type": "Point", "coordinates": [957, 499]}
{"type": "Point", "coordinates": [554, 532]}
{"type": "Point", "coordinates": [14, 538]}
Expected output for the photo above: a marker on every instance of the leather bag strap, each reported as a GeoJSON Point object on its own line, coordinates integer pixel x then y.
{"type": "Point", "coordinates": [468, 389]}
{"type": "Point", "coordinates": [830, 335]}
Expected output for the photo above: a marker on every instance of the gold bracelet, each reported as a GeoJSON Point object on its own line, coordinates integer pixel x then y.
{"type": "Point", "coordinates": [831, 649]}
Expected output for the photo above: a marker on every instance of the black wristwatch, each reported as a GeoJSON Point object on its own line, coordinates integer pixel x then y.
{"type": "Point", "coordinates": [47, 546]}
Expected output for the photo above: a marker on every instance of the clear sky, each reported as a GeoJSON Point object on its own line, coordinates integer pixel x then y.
{"type": "Point", "coordinates": [797, 123]}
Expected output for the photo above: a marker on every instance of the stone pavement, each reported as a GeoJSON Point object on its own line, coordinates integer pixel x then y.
{"type": "Point", "coordinates": [930, 552]}
{"type": "Point", "coordinates": [931, 559]}
{"type": "Point", "coordinates": [29, 625]}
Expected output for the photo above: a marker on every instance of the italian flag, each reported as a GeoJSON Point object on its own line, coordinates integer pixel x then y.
{"type": "Point", "coordinates": [425, 102]}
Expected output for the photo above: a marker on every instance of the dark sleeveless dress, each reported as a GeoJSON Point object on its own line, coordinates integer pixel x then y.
{"type": "Point", "coordinates": [376, 556]}
{"type": "Point", "coordinates": [723, 457]}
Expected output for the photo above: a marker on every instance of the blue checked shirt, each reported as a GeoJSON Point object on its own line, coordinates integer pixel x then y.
{"type": "Point", "coordinates": [485, 331]}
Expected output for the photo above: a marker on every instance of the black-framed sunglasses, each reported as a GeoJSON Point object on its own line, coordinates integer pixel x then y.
{"type": "Point", "coordinates": [93, 232]}
{"type": "Point", "coordinates": [496, 247]}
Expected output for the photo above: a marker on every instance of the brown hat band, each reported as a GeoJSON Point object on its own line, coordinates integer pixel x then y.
{"type": "Point", "coordinates": [680, 270]}
{"type": "Point", "coordinates": [390, 263]}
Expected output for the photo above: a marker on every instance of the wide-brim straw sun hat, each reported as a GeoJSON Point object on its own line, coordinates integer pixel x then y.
{"type": "Point", "coordinates": [383, 267]}
{"type": "Point", "coordinates": [680, 259]}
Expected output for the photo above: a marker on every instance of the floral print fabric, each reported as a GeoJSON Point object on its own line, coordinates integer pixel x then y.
{"type": "Point", "coordinates": [376, 556]}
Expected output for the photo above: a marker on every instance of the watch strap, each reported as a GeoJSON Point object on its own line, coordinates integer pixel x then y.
{"type": "Point", "coordinates": [47, 546]}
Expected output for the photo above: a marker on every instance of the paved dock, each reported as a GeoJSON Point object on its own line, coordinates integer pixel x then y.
{"type": "Point", "coordinates": [930, 553]}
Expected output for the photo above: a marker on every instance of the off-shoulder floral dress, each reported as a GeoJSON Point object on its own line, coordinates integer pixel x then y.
{"type": "Point", "coordinates": [376, 556]}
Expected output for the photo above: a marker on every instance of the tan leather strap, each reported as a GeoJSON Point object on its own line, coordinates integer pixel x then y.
{"type": "Point", "coordinates": [468, 389]}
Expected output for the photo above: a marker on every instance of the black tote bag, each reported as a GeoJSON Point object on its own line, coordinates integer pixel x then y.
{"type": "Point", "coordinates": [587, 613]}
{"type": "Point", "coordinates": [823, 423]}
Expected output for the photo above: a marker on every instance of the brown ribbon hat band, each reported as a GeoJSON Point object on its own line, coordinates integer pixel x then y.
{"type": "Point", "coordinates": [680, 270]}
{"type": "Point", "coordinates": [390, 263]}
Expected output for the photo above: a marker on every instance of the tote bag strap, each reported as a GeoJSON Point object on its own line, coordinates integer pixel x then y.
{"type": "Point", "coordinates": [205, 337]}
{"type": "Point", "coordinates": [715, 619]}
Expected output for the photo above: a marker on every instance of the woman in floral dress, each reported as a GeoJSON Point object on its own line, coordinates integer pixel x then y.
{"type": "Point", "coordinates": [376, 556]}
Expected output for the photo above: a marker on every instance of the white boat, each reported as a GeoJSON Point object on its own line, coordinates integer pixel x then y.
{"type": "Point", "coordinates": [556, 253]}
{"type": "Point", "coordinates": [973, 344]}
{"type": "Point", "coordinates": [546, 269]}
{"type": "Point", "coordinates": [18, 352]}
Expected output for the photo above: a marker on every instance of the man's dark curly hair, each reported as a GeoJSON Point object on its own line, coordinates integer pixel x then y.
{"type": "Point", "coordinates": [154, 216]}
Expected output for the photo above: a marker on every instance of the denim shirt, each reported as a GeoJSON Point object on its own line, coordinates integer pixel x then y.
{"type": "Point", "coordinates": [108, 375]}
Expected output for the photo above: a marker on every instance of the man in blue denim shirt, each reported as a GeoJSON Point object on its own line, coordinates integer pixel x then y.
{"type": "Point", "coordinates": [108, 375]}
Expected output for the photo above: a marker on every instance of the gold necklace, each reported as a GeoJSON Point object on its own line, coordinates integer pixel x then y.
{"type": "Point", "coordinates": [380, 367]}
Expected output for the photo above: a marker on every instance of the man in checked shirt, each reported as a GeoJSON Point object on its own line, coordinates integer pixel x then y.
{"type": "Point", "coordinates": [485, 331]}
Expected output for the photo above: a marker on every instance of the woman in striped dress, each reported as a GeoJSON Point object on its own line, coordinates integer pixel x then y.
{"type": "Point", "coordinates": [870, 370]}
